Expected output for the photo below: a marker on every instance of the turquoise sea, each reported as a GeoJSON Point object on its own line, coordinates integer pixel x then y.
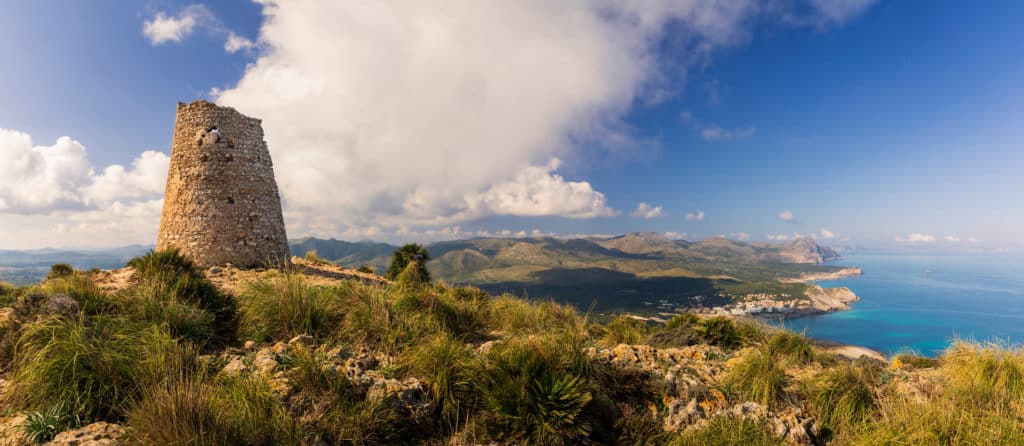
{"type": "Point", "coordinates": [922, 302]}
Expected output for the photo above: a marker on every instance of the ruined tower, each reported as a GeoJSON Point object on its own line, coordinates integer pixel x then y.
{"type": "Point", "coordinates": [222, 204]}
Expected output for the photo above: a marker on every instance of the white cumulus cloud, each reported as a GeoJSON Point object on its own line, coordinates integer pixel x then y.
{"type": "Point", "coordinates": [431, 113]}
{"type": "Point", "coordinates": [951, 238]}
{"type": "Point", "coordinates": [236, 43]}
{"type": "Point", "coordinates": [644, 210]}
{"type": "Point", "coordinates": [53, 194]}
{"type": "Point", "coordinates": [40, 179]}
{"type": "Point", "coordinates": [917, 237]}
{"type": "Point", "coordinates": [164, 28]}
{"type": "Point", "coordinates": [786, 215]}
{"type": "Point", "coordinates": [777, 237]}
{"type": "Point", "coordinates": [826, 234]}
{"type": "Point", "coordinates": [695, 216]}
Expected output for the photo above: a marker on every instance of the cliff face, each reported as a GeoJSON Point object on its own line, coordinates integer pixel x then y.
{"type": "Point", "coordinates": [222, 204]}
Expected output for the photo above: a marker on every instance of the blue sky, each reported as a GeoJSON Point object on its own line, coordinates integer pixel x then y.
{"type": "Point", "coordinates": [872, 123]}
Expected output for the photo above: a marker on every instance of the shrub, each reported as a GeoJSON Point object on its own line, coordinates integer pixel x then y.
{"type": "Point", "coordinates": [757, 377]}
{"type": "Point", "coordinates": [60, 270]}
{"type": "Point", "coordinates": [41, 427]}
{"type": "Point", "coordinates": [89, 368]}
{"type": "Point", "coordinates": [286, 306]}
{"type": "Point", "coordinates": [414, 273]}
{"type": "Point", "coordinates": [8, 293]}
{"type": "Point", "coordinates": [410, 254]}
{"type": "Point", "coordinates": [844, 396]}
{"type": "Point", "coordinates": [625, 330]}
{"type": "Point", "coordinates": [451, 368]}
{"type": "Point", "coordinates": [82, 289]}
{"type": "Point", "coordinates": [536, 390]}
{"type": "Point", "coordinates": [460, 318]}
{"type": "Point", "coordinates": [729, 431]}
{"type": "Point", "coordinates": [372, 321]}
{"type": "Point", "coordinates": [721, 331]}
{"type": "Point", "coordinates": [315, 259]}
{"type": "Point", "coordinates": [333, 410]}
{"type": "Point", "coordinates": [793, 346]}
{"type": "Point", "coordinates": [681, 330]}
{"type": "Point", "coordinates": [914, 361]}
{"type": "Point", "coordinates": [235, 411]}
{"type": "Point", "coordinates": [516, 316]}
{"type": "Point", "coordinates": [682, 320]}
{"type": "Point", "coordinates": [180, 278]}
{"type": "Point", "coordinates": [989, 376]}
{"type": "Point", "coordinates": [157, 302]}
{"type": "Point", "coordinates": [368, 269]}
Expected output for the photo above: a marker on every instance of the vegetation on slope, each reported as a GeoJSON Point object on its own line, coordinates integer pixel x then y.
{"type": "Point", "coordinates": [409, 362]}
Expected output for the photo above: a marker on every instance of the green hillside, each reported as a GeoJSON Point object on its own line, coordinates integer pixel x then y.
{"type": "Point", "coordinates": [605, 273]}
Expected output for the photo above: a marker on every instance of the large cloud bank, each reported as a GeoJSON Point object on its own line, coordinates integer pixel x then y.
{"type": "Point", "coordinates": [411, 113]}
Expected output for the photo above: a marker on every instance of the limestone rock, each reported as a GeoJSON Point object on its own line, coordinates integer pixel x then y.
{"type": "Point", "coordinates": [96, 434]}
{"type": "Point", "coordinates": [11, 431]}
{"type": "Point", "coordinates": [409, 395]}
{"type": "Point", "coordinates": [234, 366]}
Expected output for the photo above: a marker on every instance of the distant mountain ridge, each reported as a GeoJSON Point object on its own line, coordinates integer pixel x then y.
{"type": "Point", "coordinates": [481, 260]}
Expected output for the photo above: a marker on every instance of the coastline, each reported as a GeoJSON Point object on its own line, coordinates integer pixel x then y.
{"type": "Point", "coordinates": [851, 271]}
{"type": "Point", "coordinates": [848, 351]}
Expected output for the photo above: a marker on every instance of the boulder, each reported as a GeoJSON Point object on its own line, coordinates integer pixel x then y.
{"type": "Point", "coordinates": [11, 431]}
{"type": "Point", "coordinates": [96, 434]}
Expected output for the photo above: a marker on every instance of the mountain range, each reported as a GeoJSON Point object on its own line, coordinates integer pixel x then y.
{"type": "Point", "coordinates": [615, 272]}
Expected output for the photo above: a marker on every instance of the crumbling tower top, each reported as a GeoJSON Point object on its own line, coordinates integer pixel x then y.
{"type": "Point", "coordinates": [221, 203]}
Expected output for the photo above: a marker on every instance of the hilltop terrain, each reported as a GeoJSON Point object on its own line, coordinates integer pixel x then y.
{"type": "Point", "coordinates": [161, 352]}
{"type": "Point", "coordinates": [636, 272]}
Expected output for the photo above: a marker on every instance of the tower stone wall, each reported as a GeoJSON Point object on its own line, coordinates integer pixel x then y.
{"type": "Point", "coordinates": [221, 203]}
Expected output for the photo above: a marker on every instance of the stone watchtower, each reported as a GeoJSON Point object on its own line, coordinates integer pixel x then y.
{"type": "Point", "coordinates": [221, 204]}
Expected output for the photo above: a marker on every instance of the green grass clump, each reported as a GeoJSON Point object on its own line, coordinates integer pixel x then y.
{"type": "Point", "coordinates": [625, 330]}
{"type": "Point", "coordinates": [979, 400]}
{"type": "Point", "coordinates": [682, 320]}
{"type": "Point", "coordinates": [409, 264]}
{"type": "Point", "coordinates": [681, 330]}
{"type": "Point", "coordinates": [459, 317]}
{"type": "Point", "coordinates": [82, 289]}
{"type": "Point", "coordinates": [514, 316]}
{"type": "Point", "coordinates": [729, 431]}
{"type": "Point", "coordinates": [989, 376]}
{"type": "Point", "coordinates": [197, 411]}
{"type": "Point", "coordinates": [451, 369]}
{"type": "Point", "coordinates": [721, 331]}
{"type": "Point", "coordinates": [368, 269]}
{"type": "Point", "coordinates": [914, 361]}
{"type": "Point", "coordinates": [757, 377]}
{"type": "Point", "coordinates": [373, 321]}
{"type": "Point", "coordinates": [8, 294]}
{"type": "Point", "coordinates": [332, 410]}
{"type": "Point", "coordinates": [845, 396]}
{"type": "Point", "coordinates": [90, 367]}
{"type": "Point", "coordinates": [179, 281]}
{"type": "Point", "coordinates": [793, 346]}
{"type": "Point", "coordinates": [60, 270]}
{"type": "Point", "coordinates": [158, 303]}
{"type": "Point", "coordinates": [40, 427]}
{"type": "Point", "coordinates": [286, 306]}
{"type": "Point", "coordinates": [536, 390]}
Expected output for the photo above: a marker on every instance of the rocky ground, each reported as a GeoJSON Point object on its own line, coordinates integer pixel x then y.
{"type": "Point", "coordinates": [681, 387]}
